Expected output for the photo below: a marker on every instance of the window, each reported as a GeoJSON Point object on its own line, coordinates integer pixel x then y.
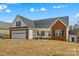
{"type": "Point", "coordinates": [59, 32]}
{"type": "Point", "coordinates": [42, 33]}
{"type": "Point", "coordinates": [18, 23]}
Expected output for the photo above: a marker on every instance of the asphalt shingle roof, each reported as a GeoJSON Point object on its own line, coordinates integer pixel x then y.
{"type": "Point", "coordinates": [44, 23]}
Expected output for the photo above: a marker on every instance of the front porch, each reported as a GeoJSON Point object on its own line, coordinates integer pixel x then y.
{"type": "Point", "coordinates": [42, 33]}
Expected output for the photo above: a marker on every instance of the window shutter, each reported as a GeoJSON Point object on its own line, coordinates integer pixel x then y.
{"type": "Point", "coordinates": [53, 32]}
{"type": "Point", "coordinates": [62, 32]}
{"type": "Point", "coordinates": [37, 33]}
{"type": "Point", "coordinates": [16, 23]}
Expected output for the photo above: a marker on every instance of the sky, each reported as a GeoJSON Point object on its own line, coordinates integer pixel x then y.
{"type": "Point", "coordinates": [35, 11]}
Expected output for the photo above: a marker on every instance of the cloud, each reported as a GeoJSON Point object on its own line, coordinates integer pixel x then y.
{"type": "Point", "coordinates": [37, 10]}
{"type": "Point", "coordinates": [32, 9]}
{"type": "Point", "coordinates": [60, 6]}
{"type": "Point", "coordinates": [4, 8]}
{"type": "Point", "coordinates": [8, 10]}
{"type": "Point", "coordinates": [43, 9]}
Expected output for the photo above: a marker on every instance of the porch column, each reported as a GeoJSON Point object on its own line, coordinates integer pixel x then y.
{"type": "Point", "coordinates": [30, 34]}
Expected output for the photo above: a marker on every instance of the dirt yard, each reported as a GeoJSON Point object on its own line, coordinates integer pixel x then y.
{"type": "Point", "coordinates": [10, 47]}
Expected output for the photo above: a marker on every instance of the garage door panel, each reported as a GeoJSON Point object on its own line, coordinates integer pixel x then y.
{"type": "Point", "coordinates": [19, 35]}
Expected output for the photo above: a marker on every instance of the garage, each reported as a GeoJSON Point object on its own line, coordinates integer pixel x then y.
{"type": "Point", "coordinates": [19, 34]}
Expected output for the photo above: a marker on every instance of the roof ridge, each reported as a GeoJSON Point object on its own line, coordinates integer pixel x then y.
{"type": "Point", "coordinates": [23, 17]}
{"type": "Point", "coordinates": [50, 18]}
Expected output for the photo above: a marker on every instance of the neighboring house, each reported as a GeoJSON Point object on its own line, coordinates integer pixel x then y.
{"type": "Point", "coordinates": [52, 28]}
{"type": "Point", "coordinates": [4, 29]}
{"type": "Point", "coordinates": [74, 33]}
{"type": "Point", "coordinates": [72, 38]}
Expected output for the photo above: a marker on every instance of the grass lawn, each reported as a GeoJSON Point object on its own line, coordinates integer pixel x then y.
{"type": "Point", "coordinates": [9, 47]}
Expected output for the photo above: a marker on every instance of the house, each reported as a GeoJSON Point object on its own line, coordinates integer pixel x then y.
{"type": "Point", "coordinates": [4, 29]}
{"type": "Point", "coordinates": [52, 28]}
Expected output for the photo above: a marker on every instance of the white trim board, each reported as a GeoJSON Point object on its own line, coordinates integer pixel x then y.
{"type": "Point", "coordinates": [60, 21]}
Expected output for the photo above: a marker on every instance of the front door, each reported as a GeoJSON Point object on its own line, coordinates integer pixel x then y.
{"type": "Point", "coordinates": [73, 39]}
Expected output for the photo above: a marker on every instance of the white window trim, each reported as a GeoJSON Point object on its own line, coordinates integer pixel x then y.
{"type": "Point", "coordinates": [57, 32]}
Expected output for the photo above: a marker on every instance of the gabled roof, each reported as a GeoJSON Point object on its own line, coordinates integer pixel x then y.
{"type": "Point", "coordinates": [43, 23]}
{"type": "Point", "coordinates": [46, 23]}
{"type": "Point", "coordinates": [26, 21]}
{"type": "Point", "coordinates": [59, 21]}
